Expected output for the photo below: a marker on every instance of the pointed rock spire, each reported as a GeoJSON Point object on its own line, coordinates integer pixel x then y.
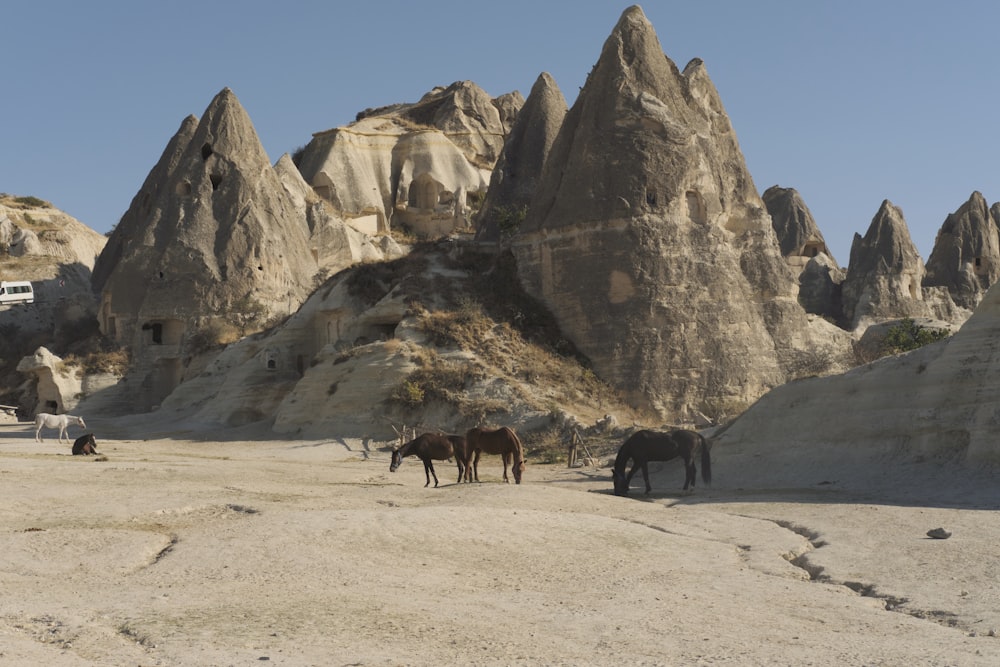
{"type": "Point", "coordinates": [793, 222]}
{"type": "Point", "coordinates": [212, 231]}
{"type": "Point", "coordinates": [515, 177]}
{"type": "Point", "coordinates": [132, 228]}
{"type": "Point", "coordinates": [649, 242]}
{"type": "Point", "coordinates": [885, 273]}
{"type": "Point", "coordinates": [966, 254]}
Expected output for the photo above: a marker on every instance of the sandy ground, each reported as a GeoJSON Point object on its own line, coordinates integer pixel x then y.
{"type": "Point", "coordinates": [174, 551]}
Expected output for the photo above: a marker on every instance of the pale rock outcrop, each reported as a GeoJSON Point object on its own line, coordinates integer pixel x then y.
{"type": "Point", "coordinates": [651, 246]}
{"type": "Point", "coordinates": [966, 254]}
{"type": "Point", "coordinates": [58, 388]}
{"type": "Point", "coordinates": [936, 405]}
{"type": "Point", "coordinates": [416, 164]}
{"type": "Point", "coordinates": [335, 245]}
{"type": "Point", "coordinates": [515, 177]}
{"type": "Point", "coordinates": [56, 253]}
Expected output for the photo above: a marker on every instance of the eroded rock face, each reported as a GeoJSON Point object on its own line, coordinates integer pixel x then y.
{"type": "Point", "coordinates": [515, 177]}
{"type": "Point", "coordinates": [805, 250]}
{"type": "Point", "coordinates": [212, 233]}
{"type": "Point", "coordinates": [885, 273]}
{"type": "Point", "coordinates": [649, 242]}
{"type": "Point", "coordinates": [935, 404]}
{"type": "Point", "coordinates": [966, 254]}
{"type": "Point", "coordinates": [57, 388]}
{"type": "Point", "coordinates": [421, 165]}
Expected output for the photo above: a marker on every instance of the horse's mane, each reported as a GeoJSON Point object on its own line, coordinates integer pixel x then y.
{"type": "Point", "coordinates": [517, 441]}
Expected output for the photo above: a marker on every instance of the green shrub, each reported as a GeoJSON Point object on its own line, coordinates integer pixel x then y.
{"type": "Point", "coordinates": [908, 335]}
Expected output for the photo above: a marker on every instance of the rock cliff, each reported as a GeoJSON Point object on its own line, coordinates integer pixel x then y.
{"type": "Point", "coordinates": [649, 242]}
{"type": "Point", "coordinates": [422, 165]}
{"type": "Point", "coordinates": [56, 253]}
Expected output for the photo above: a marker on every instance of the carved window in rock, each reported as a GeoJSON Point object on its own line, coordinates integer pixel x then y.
{"type": "Point", "coordinates": [423, 192]}
{"type": "Point", "coordinates": [812, 249]}
{"type": "Point", "coordinates": [206, 151]}
{"type": "Point", "coordinates": [697, 211]}
{"type": "Point", "coordinates": [156, 332]}
{"type": "Point", "coordinates": [216, 180]}
{"type": "Point", "coordinates": [183, 189]}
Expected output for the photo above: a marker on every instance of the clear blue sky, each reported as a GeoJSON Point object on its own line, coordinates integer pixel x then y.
{"type": "Point", "coordinates": [849, 102]}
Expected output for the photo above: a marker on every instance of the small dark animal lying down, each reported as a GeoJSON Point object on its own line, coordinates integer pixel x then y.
{"type": "Point", "coordinates": [85, 444]}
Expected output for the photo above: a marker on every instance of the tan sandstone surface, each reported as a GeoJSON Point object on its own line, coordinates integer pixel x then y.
{"type": "Point", "coordinates": [190, 548]}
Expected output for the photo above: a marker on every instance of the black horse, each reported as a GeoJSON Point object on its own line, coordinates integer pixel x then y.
{"type": "Point", "coordinates": [645, 446]}
{"type": "Point", "coordinates": [429, 446]}
{"type": "Point", "coordinates": [84, 445]}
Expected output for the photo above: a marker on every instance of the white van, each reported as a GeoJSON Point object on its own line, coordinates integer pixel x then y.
{"type": "Point", "coordinates": [16, 291]}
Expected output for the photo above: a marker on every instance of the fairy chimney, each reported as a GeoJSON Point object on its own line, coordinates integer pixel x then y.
{"type": "Point", "coordinates": [966, 254]}
{"type": "Point", "coordinates": [649, 242]}
{"type": "Point", "coordinates": [211, 235]}
{"type": "Point", "coordinates": [515, 177]}
{"type": "Point", "coordinates": [885, 273]}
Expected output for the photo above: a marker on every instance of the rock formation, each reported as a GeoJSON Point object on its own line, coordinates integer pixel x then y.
{"type": "Point", "coordinates": [798, 234]}
{"type": "Point", "coordinates": [515, 177]}
{"type": "Point", "coordinates": [56, 253]}
{"type": "Point", "coordinates": [966, 254]}
{"type": "Point", "coordinates": [934, 405]}
{"type": "Point", "coordinates": [421, 165]}
{"type": "Point", "coordinates": [649, 242]}
{"type": "Point", "coordinates": [57, 387]}
{"type": "Point", "coordinates": [215, 237]}
{"type": "Point", "coordinates": [805, 250]}
{"type": "Point", "coordinates": [885, 276]}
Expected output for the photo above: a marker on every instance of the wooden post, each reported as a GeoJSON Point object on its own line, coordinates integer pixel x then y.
{"type": "Point", "coordinates": [574, 442]}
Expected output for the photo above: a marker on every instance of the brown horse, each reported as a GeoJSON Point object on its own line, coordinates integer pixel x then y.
{"type": "Point", "coordinates": [85, 444]}
{"type": "Point", "coordinates": [429, 446]}
{"type": "Point", "coordinates": [502, 441]}
{"type": "Point", "coordinates": [645, 446]}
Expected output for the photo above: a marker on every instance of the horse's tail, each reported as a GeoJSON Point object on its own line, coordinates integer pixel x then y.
{"type": "Point", "coordinates": [706, 460]}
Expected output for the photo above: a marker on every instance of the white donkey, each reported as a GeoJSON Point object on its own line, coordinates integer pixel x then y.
{"type": "Point", "coordinates": [61, 422]}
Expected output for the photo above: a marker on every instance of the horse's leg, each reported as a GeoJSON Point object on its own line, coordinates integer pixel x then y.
{"type": "Point", "coordinates": [475, 466]}
{"type": "Point", "coordinates": [427, 472]}
{"type": "Point", "coordinates": [38, 433]}
{"type": "Point", "coordinates": [645, 476]}
{"type": "Point", "coordinates": [506, 456]}
{"type": "Point", "coordinates": [461, 468]}
{"type": "Point", "coordinates": [430, 465]}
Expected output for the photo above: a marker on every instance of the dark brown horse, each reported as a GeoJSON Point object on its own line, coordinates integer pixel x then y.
{"type": "Point", "coordinates": [430, 446]}
{"type": "Point", "coordinates": [85, 444]}
{"type": "Point", "coordinates": [502, 441]}
{"type": "Point", "coordinates": [645, 446]}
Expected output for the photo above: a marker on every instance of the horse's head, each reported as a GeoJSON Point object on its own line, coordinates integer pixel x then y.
{"type": "Point", "coordinates": [621, 486]}
{"type": "Point", "coordinates": [79, 420]}
{"type": "Point", "coordinates": [518, 469]}
{"type": "Point", "coordinates": [397, 458]}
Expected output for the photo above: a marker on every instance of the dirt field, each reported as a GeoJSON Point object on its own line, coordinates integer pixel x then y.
{"type": "Point", "coordinates": [183, 552]}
